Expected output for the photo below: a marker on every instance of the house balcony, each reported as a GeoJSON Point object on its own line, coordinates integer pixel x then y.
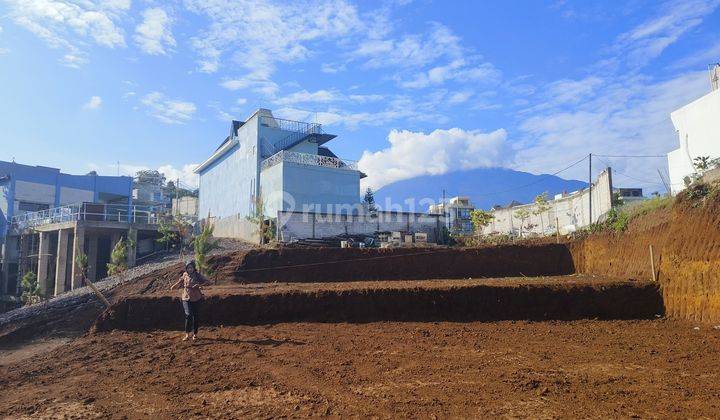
{"type": "Point", "coordinates": [90, 212]}
{"type": "Point", "coordinates": [310, 160]}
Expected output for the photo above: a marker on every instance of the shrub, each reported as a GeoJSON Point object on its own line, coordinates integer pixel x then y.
{"type": "Point", "coordinates": [30, 289]}
{"type": "Point", "coordinates": [118, 257]}
{"type": "Point", "coordinates": [203, 244]}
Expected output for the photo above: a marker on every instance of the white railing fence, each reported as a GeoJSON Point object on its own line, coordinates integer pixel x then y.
{"type": "Point", "coordinates": [91, 212]}
{"type": "Point", "coordinates": [309, 159]}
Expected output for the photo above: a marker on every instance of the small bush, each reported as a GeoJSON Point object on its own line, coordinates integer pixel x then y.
{"type": "Point", "coordinates": [30, 289]}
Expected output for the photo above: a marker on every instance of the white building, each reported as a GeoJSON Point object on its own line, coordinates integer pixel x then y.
{"type": "Point", "coordinates": [698, 128]}
{"type": "Point", "coordinates": [457, 213]}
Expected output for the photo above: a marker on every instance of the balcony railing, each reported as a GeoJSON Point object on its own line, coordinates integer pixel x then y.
{"type": "Point", "coordinates": [290, 125]}
{"type": "Point", "coordinates": [309, 159]}
{"type": "Point", "coordinates": [91, 212]}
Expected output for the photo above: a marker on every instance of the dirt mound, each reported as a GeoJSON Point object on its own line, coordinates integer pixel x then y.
{"type": "Point", "coordinates": [334, 264]}
{"type": "Point", "coordinates": [428, 301]}
{"type": "Point", "coordinates": [686, 243]}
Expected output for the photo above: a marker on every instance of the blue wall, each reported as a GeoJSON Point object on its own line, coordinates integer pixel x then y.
{"type": "Point", "coordinates": [228, 185]}
{"type": "Point", "coordinates": [120, 186]}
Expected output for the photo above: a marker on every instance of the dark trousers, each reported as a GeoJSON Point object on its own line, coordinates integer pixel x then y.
{"type": "Point", "coordinates": [191, 315]}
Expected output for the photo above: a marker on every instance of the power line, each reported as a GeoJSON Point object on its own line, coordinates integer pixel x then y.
{"type": "Point", "coordinates": [626, 175]}
{"type": "Point", "coordinates": [631, 156]}
{"type": "Point", "coordinates": [534, 182]}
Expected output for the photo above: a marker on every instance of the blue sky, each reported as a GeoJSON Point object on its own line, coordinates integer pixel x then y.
{"type": "Point", "coordinates": [411, 87]}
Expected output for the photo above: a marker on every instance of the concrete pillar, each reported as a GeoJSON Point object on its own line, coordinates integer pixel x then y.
{"type": "Point", "coordinates": [132, 247]}
{"type": "Point", "coordinates": [92, 257]}
{"type": "Point", "coordinates": [114, 239]}
{"type": "Point", "coordinates": [78, 247]}
{"type": "Point", "coordinates": [43, 261]}
{"type": "Point", "coordinates": [61, 261]}
{"type": "Point", "coordinates": [5, 268]}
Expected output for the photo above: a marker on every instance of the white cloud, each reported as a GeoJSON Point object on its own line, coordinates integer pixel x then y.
{"type": "Point", "coordinates": [259, 34]}
{"type": "Point", "coordinates": [241, 101]}
{"type": "Point", "coordinates": [399, 108]}
{"type": "Point", "coordinates": [649, 39]}
{"type": "Point", "coordinates": [459, 97]}
{"type": "Point", "coordinates": [414, 154]}
{"type": "Point", "coordinates": [154, 34]}
{"type": "Point", "coordinates": [69, 25]}
{"type": "Point", "coordinates": [410, 50]}
{"type": "Point", "coordinates": [256, 82]}
{"type": "Point", "coordinates": [461, 70]}
{"type": "Point", "coordinates": [627, 116]}
{"type": "Point", "coordinates": [303, 96]}
{"type": "Point", "coordinates": [93, 103]}
{"type": "Point", "coordinates": [184, 174]}
{"type": "Point", "coordinates": [169, 111]}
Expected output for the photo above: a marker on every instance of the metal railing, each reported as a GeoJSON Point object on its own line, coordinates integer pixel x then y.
{"type": "Point", "coordinates": [309, 159]}
{"type": "Point", "coordinates": [299, 130]}
{"type": "Point", "coordinates": [288, 125]}
{"type": "Point", "coordinates": [91, 212]}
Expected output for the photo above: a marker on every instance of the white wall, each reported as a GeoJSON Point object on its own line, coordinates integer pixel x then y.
{"type": "Point", "coordinates": [698, 128]}
{"type": "Point", "coordinates": [299, 225]}
{"type": "Point", "coordinates": [571, 212]}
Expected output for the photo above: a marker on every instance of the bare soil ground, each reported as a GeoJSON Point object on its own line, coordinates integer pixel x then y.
{"type": "Point", "coordinates": [584, 368]}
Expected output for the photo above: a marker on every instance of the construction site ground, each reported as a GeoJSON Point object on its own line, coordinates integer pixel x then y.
{"type": "Point", "coordinates": [585, 368]}
{"type": "Point", "coordinates": [529, 330]}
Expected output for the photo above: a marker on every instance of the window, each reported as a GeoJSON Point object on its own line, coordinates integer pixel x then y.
{"type": "Point", "coordinates": [31, 207]}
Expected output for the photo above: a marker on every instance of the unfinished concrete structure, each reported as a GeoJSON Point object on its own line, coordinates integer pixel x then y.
{"type": "Point", "coordinates": [46, 215]}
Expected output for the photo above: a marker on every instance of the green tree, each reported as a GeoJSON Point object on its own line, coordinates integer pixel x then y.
{"type": "Point", "coordinates": [701, 163]}
{"type": "Point", "coordinates": [480, 219]}
{"type": "Point", "coordinates": [30, 289]}
{"type": "Point", "coordinates": [203, 244]}
{"type": "Point", "coordinates": [369, 201]}
{"type": "Point", "coordinates": [263, 227]}
{"type": "Point", "coordinates": [541, 207]}
{"type": "Point", "coordinates": [523, 215]}
{"type": "Point", "coordinates": [118, 257]}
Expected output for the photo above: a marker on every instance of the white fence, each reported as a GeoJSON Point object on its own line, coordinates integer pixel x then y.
{"type": "Point", "coordinates": [309, 159]}
{"type": "Point", "coordinates": [566, 214]}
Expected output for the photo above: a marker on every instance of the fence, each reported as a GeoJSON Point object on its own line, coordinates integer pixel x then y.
{"type": "Point", "coordinates": [564, 214]}
{"type": "Point", "coordinates": [91, 212]}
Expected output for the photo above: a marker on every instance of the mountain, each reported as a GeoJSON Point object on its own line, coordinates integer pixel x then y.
{"type": "Point", "coordinates": [486, 187]}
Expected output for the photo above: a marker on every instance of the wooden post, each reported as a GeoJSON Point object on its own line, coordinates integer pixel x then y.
{"type": "Point", "coordinates": [652, 264]}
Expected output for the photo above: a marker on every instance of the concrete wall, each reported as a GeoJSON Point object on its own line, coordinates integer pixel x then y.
{"type": "Point", "coordinates": [44, 185]}
{"type": "Point", "coordinates": [75, 195]}
{"type": "Point", "coordinates": [571, 212]}
{"type": "Point", "coordinates": [289, 186]}
{"type": "Point", "coordinates": [698, 128]}
{"type": "Point", "coordinates": [301, 225]}
{"type": "Point", "coordinates": [237, 227]}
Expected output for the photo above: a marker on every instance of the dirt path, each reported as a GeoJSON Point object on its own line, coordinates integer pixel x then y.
{"type": "Point", "coordinates": [510, 369]}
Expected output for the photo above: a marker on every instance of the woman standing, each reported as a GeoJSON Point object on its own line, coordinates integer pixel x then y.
{"type": "Point", "coordinates": [191, 282]}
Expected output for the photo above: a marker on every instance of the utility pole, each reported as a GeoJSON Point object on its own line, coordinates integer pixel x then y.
{"type": "Point", "coordinates": [590, 186]}
{"type": "Point", "coordinates": [444, 210]}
